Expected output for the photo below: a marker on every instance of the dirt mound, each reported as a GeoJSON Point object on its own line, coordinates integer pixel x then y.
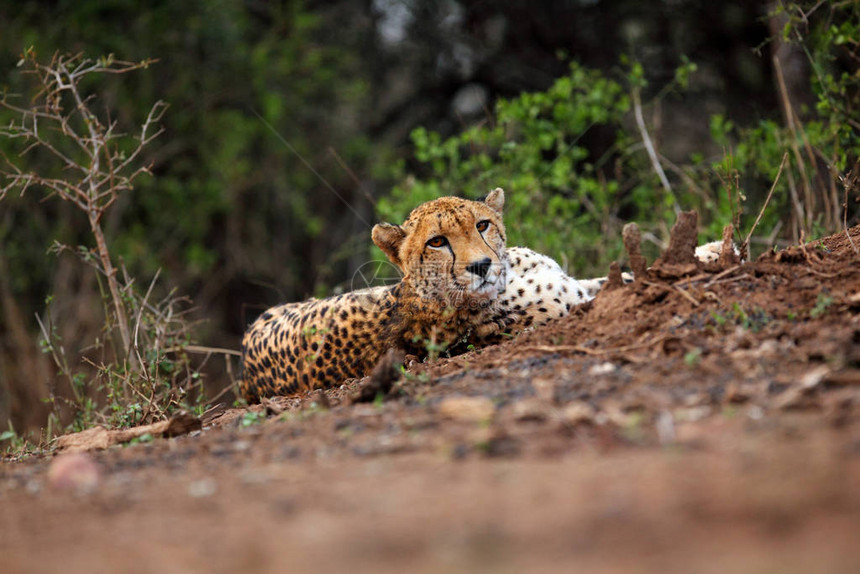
{"type": "Point", "coordinates": [781, 332]}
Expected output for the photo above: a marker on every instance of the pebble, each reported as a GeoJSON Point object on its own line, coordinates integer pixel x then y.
{"type": "Point", "coordinates": [77, 472]}
{"type": "Point", "coordinates": [530, 410]}
{"type": "Point", "coordinates": [202, 488]}
{"type": "Point", "coordinates": [578, 412]}
{"type": "Point", "coordinates": [473, 409]}
{"type": "Point", "coordinates": [602, 369]}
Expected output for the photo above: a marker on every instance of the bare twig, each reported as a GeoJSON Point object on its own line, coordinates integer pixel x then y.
{"type": "Point", "coordinates": [687, 296]}
{"type": "Point", "coordinates": [746, 243]}
{"type": "Point", "coordinates": [592, 352]}
{"type": "Point", "coordinates": [716, 278]}
{"type": "Point", "coordinates": [102, 170]}
{"type": "Point", "coordinates": [352, 175]}
{"type": "Point", "coordinates": [788, 111]}
{"type": "Point", "coordinates": [680, 291]}
{"type": "Point", "coordinates": [740, 277]}
{"type": "Point", "coordinates": [849, 181]}
{"type": "Point", "coordinates": [797, 223]}
{"type": "Point", "coordinates": [136, 347]}
{"type": "Point", "coordinates": [691, 183]}
{"type": "Point", "coordinates": [205, 350]}
{"type": "Point", "coordinates": [649, 146]}
{"type": "Point", "coordinates": [94, 163]}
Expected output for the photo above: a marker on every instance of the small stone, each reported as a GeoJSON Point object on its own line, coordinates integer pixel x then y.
{"type": "Point", "coordinates": [74, 471]}
{"type": "Point", "coordinates": [613, 414]}
{"type": "Point", "coordinates": [755, 413]}
{"type": "Point", "coordinates": [698, 399]}
{"type": "Point", "coordinates": [272, 407]}
{"type": "Point", "coordinates": [814, 377]}
{"type": "Point", "coordinates": [182, 423]}
{"type": "Point", "coordinates": [202, 488]}
{"type": "Point", "coordinates": [796, 398]}
{"type": "Point", "coordinates": [692, 414]}
{"type": "Point", "coordinates": [545, 389]}
{"type": "Point", "coordinates": [735, 395]}
{"type": "Point", "coordinates": [473, 409]}
{"type": "Point", "coordinates": [578, 413]}
{"type": "Point", "coordinates": [768, 348]}
{"type": "Point", "coordinates": [665, 426]}
{"type": "Point", "coordinates": [316, 400]}
{"type": "Point", "coordinates": [602, 369]}
{"type": "Point", "coordinates": [530, 410]}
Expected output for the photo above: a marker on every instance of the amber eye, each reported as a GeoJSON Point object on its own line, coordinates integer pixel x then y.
{"type": "Point", "coordinates": [482, 226]}
{"type": "Point", "coordinates": [438, 241]}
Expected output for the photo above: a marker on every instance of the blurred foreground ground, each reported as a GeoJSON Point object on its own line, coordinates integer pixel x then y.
{"type": "Point", "coordinates": [703, 422]}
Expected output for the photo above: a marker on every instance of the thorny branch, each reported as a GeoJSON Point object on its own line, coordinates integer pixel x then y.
{"type": "Point", "coordinates": [96, 164]}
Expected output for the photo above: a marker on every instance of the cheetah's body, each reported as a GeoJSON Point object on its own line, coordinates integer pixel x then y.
{"type": "Point", "coordinates": [469, 289]}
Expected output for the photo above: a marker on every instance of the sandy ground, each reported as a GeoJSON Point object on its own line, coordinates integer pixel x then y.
{"type": "Point", "coordinates": [700, 420]}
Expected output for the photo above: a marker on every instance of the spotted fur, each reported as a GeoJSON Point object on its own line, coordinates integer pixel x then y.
{"type": "Point", "coordinates": [468, 290]}
{"type": "Point", "coordinates": [539, 290]}
{"type": "Point", "coordinates": [461, 286]}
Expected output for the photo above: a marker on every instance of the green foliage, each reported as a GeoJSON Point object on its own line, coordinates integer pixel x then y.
{"type": "Point", "coordinates": [568, 199]}
{"type": "Point", "coordinates": [252, 418]}
{"type": "Point", "coordinates": [822, 141]}
{"type": "Point", "coordinates": [137, 369]}
{"type": "Point", "coordinates": [822, 304]}
{"type": "Point", "coordinates": [16, 445]}
{"type": "Point", "coordinates": [531, 149]}
{"type": "Point", "coordinates": [693, 357]}
{"type": "Point", "coordinates": [224, 178]}
{"type": "Point", "coordinates": [748, 319]}
{"type": "Point", "coordinates": [142, 439]}
{"type": "Point", "coordinates": [433, 345]}
{"type": "Point", "coordinates": [110, 388]}
{"type": "Point", "coordinates": [560, 200]}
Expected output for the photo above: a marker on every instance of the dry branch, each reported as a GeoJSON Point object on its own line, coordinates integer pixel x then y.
{"type": "Point", "coordinates": [62, 117]}
{"type": "Point", "coordinates": [746, 243]}
{"type": "Point", "coordinates": [649, 146]}
{"type": "Point", "coordinates": [89, 160]}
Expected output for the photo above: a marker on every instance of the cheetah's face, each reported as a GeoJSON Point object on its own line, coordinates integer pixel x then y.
{"type": "Point", "coordinates": [451, 249]}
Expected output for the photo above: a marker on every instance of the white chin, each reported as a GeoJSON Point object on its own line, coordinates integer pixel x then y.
{"type": "Point", "coordinates": [486, 291]}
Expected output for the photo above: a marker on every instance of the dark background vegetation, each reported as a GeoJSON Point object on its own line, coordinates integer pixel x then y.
{"type": "Point", "coordinates": [289, 121]}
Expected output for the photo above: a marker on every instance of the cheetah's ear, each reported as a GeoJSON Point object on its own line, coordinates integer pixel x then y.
{"type": "Point", "coordinates": [388, 237]}
{"type": "Point", "coordinates": [496, 200]}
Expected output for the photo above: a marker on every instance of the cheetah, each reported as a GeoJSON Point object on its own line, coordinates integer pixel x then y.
{"type": "Point", "coordinates": [461, 286]}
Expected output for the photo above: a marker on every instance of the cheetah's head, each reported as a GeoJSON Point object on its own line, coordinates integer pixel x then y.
{"type": "Point", "coordinates": [450, 249]}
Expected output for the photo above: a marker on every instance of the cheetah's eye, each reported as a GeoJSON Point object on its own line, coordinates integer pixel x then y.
{"type": "Point", "coordinates": [482, 226]}
{"type": "Point", "coordinates": [438, 241]}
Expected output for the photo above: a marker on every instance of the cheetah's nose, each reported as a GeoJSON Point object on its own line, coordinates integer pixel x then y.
{"type": "Point", "coordinates": [480, 268]}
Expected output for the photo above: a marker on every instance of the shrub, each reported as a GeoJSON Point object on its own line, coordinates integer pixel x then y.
{"type": "Point", "coordinates": [138, 370]}
{"type": "Point", "coordinates": [563, 199]}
